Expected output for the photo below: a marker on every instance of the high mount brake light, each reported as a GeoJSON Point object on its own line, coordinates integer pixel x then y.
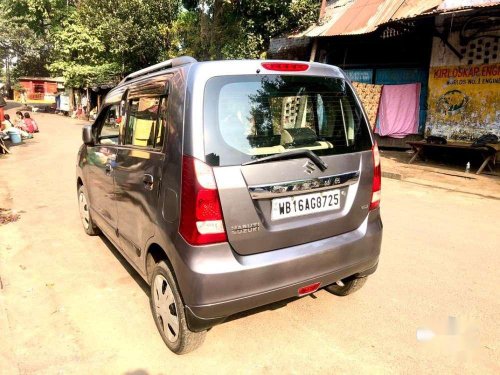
{"type": "Point", "coordinates": [377, 178]}
{"type": "Point", "coordinates": [201, 213]}
{"type": "Point", "coordinates": [285, 67]}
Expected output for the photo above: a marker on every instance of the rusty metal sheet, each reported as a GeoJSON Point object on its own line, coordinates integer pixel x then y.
{"type": "Point", "coordinates": [414, 8]}
{"type": "Point", "coordinates": [333, 12]}
{"type": "Point", "coordinates": [358, 19]}
{"type": "Point", "coordinates": [354, 17]}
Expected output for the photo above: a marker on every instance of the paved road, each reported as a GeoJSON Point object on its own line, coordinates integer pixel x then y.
{"type": "Point", "coordinates": [69, 304]}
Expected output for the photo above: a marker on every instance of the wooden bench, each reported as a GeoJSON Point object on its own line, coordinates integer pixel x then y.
{"type": "Point", "coordinates": [488, 152]}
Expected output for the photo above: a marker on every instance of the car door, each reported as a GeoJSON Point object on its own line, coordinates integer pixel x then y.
{"type": "Point", "coordinates": [138, 173]}
{"type": "Point", "coordinates": [294, 165]}
{"type": "Point", "coordinates": [100, 167]}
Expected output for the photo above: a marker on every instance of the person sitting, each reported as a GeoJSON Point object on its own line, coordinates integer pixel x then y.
{"type": "Point", "coordinates": [7, 124]}
{"type": "Point", "coordinates": [31, 125]}
{"type": "Point", "coordinates": [13, 131]}
{"type": "Point", "coordinates": [20, 121]}
{"type": "Point", "coordinates": [4, 126]}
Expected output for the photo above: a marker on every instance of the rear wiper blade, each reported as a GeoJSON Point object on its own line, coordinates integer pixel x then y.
{"type": "Point", "coordinates": [292, 155]}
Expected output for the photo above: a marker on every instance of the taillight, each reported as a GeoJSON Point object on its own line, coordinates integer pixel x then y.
{"type": "Point", "coordinates": [377, 178]}
{"type": "Point", "coordinates": [285, 67]}
{"type": "Point", "coordinates": [201, 214]}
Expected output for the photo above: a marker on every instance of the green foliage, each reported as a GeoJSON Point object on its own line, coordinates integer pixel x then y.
{"type": "Point", "coordinates": [130, 31]}
{"type": "Point", "coordinates": [101, 41]}
{"type": "Point", "coordinates": [80, 56]}
{"type": "Point", "coordinates": [236, 29]}
{"type": "Point", "coordinates": [25, 31]}
{"type": "Point", "coordinates": [84, 75]}
{"type": "Point", "coordinates": [91, 42]}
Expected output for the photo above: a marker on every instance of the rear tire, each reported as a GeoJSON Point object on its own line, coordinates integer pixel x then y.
{"type": "Point", "coordinates": [351, 285]}
{"type": "Point", "coordinates": [85, 216]}
{"type": "Point", "coordinates": [167, 308]}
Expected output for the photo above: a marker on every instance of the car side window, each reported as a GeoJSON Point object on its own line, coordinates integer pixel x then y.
{"type": "Point", "coordinates": [109, 126]}
{"type": "Point", "coordinates": [145, 125]}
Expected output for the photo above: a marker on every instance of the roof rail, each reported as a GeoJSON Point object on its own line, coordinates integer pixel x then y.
{"type": "Point", "coordinates": [178, 61]}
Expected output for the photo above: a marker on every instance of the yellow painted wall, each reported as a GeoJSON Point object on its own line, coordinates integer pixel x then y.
{"type": "Point", "coordinates": [464, 101]}
{"type": "Point", "coordinates": [464, 87]}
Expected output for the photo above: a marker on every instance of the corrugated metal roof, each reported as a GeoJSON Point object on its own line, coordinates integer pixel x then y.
{"type": "Point", "coordinates": [363, 16]}
{"type": "Point", "coordinates": [414, 8]}
{"type": "Point", "coordinates": [353, 17]}
{"type": "Point", "coordinates": [448, 5]}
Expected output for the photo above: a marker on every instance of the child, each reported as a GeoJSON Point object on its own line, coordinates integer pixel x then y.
{"type": "Point", "coordinates": [31, 125]}
{"type": "Point", "coordinates": [6, 123]}
{"type": "Point", "coordinates": [20, 121]}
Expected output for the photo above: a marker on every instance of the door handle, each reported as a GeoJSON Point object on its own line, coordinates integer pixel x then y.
{"type": "Point", "coordinates": [148, 181]}
{"type": "Point", "coordinates": [108, 169]}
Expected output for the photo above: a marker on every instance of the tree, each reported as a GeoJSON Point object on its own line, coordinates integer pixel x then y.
{"type": "Point", "coordinates": [217, 29]}
{"type": "Point", "coordinates": [90, 42]}
{"type": "Point", "coordinates": [25, 30]}
{"type": "Point", "coordinates": [131, 32]}
{"type": "Point", "coordinates": [80, 56]}
{"type": "Point", "coordinates": [100, 42]}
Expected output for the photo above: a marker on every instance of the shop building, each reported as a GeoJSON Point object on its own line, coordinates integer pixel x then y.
{"type": "Point", "coordinates": [464, 75]}
{"type": "Point", "coordinates": [39, 89]}
{"type": "Point", "coordinates": [420, 67]}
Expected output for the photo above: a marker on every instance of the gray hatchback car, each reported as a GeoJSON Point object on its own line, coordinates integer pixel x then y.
{"type": "Point", "coordinates": [230, 185]}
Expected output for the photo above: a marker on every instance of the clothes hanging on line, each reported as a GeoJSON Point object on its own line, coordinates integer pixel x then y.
{"type": "Point", "coordinates": [370, 97]}
{"type": "Point", "coordinates": [399, 110]}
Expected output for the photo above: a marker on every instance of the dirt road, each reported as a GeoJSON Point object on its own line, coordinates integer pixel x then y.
{"type": "Point", "coordinates": [70, 305]}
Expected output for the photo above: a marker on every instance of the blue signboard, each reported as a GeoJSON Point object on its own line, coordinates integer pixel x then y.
{"type": "Point", "coordinates": [360, 75]}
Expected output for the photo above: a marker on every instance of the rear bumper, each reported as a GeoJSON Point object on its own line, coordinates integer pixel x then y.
{"type": "Point", "coordinates": [227, 283]}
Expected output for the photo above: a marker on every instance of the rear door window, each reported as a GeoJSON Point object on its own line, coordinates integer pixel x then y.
{"type": "Point", "coordinates": [249, 117]}
{"type": "Point", "coordinates": [143, 126]}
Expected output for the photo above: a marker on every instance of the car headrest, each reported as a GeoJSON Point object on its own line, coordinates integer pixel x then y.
{"type": "Point", "coordinates": [298, 137]}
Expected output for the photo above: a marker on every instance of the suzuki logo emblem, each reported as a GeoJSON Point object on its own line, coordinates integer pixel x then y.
{"type": "Point", "coordinates": [309, 167]}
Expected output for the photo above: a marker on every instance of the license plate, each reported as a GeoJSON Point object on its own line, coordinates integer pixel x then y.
{"type": "Point", "coordinates": [298, 205]}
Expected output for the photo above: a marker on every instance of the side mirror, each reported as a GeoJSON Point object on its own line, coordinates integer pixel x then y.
{"type": "Point", "coordinates": [87, 137]}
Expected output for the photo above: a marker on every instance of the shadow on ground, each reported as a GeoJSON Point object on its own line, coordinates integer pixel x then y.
{"type": "Point", "coordinates": [131, 271]}
{"type": "Point", "coordinates": [145, 288]}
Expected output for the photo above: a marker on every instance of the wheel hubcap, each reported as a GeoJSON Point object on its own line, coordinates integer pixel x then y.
{"type": "Point", "coordinates": [84, 211]}
{"type": "Point", "coordinates": [166, 309]}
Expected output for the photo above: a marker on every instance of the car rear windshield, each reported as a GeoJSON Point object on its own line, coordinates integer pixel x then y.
{"type": "Point", "coordinates": [250, 117]}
